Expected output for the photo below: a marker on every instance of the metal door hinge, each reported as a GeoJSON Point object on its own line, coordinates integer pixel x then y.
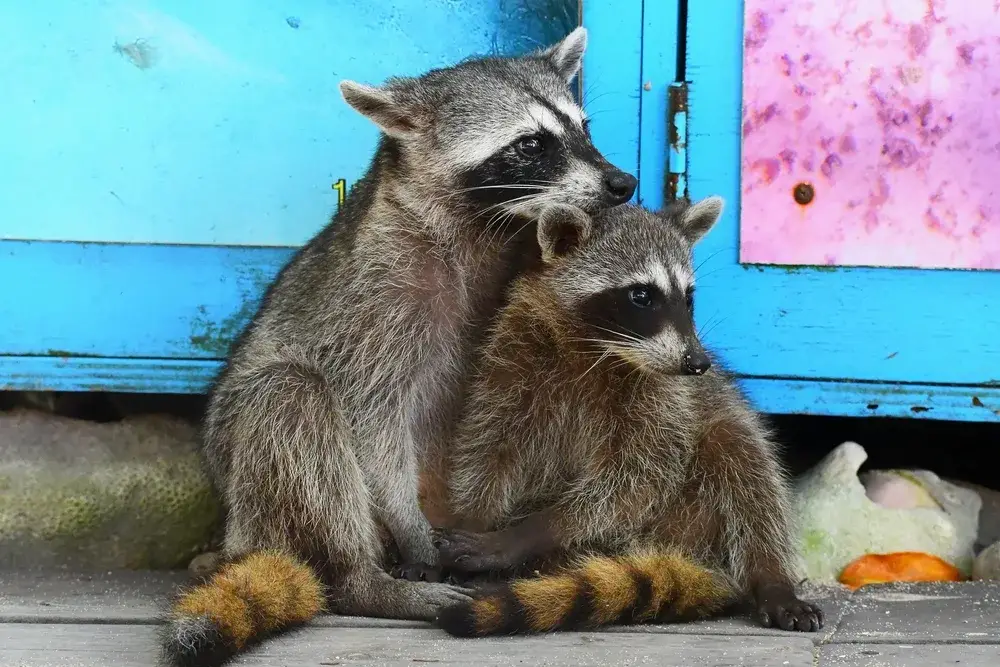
{"type": "Point", "coordinates": [677, 114]}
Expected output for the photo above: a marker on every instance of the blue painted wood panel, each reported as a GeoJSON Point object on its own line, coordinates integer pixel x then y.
{"type": "Point", "coordinates": [886, 325]}
{"type": "Point", "coordinates": [120, 300]}
{"type": "Point", "coordinates": [128, 316]}
{"type": "Point", "coordinates": [815, 397]}
{"type": "Point", "coordinates": [612, 79]}
{"type": "Point", "coordinates": [660, 46]}
{"type": "Point", "coordinates": [191, 122]}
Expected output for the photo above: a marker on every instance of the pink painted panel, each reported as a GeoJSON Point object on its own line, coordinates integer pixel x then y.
{"type": "Point", "coordinates": [871, 133]}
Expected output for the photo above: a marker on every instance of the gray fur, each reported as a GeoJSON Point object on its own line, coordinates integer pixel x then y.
{"type": "Point", "coordinates": [604, 433]}
{"type": "Point", "coordinates": [561, 229]}
{"type": "Point", "coordinates": [567, 55]}
{"type": "Point", "coordinates": [700, 217]}
{"type": "Point", "coordinates": [351, 371]}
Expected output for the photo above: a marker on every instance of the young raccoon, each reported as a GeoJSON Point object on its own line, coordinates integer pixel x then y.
{"type": "Point", "coordinates": [350, 370]}
{"type": "Point", "coordinates": [597, 424]}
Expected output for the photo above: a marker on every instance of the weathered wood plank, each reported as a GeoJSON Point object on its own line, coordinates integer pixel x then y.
{"type": "Point", "coordinates": [38, 645]}
{"type": "Point", "coordinates": [100, 597]}
{"type": "Point", "coordinates": [139, 597]}
{"type": "Point", "coordinates": [833, 600]}
{"type": "Point", "coordinates": [169, 302]}
{"type": "Point", "coordinates": [114, 597]}
{"type": "Point", "coordinates": [910, 655]}
{"type": "Point", "coordinates": [905, 613]}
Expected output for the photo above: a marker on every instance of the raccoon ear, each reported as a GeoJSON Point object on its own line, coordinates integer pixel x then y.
{"type": "Point", "coordinates": [567, 55]}
{"type": "Point", "coordinates": [380, 106]}
{"type": "Point", "coordinates": [561, 230]}
{"type": "Point", "coordinates": [697, 219]}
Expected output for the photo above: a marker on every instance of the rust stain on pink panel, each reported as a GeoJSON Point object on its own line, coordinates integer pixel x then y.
{"type": "Point", "coordinates": [889, 110]}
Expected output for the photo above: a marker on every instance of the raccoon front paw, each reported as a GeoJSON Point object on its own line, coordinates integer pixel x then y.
{"type": "Point", "coordinates": [476, 580]}
{"type": "Point", "coordinates": [782, 609]}
{"type": "Point", "coordinates": [418, 572]}
{"type": "Point", "coordinates": [466, 551]}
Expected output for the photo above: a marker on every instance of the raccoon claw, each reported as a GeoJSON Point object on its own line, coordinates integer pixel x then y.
{"type": "Point", "coordinates": [418, 572]}
{"type": "Point", "coordinates": [471, 581]}
{"type": "Point", "coordinates": [426, 600]}
{"type": "Point", "coordinates": [790, 613]}
{"type": "Point", "coordinates": [465, 551]}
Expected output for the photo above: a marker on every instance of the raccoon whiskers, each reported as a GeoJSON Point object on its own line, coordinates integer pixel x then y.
{"type": "Point", "coordinates": [710, 273]}
{"type": "Point", "coordinates": [603, 342]}
{"type": "Point", "coordinates": [604, 348]}
{"type": "Point", "coordinates": [491, 231]}
{"type": "Point", "coordinates": [495, 226]}
{"type": "Point", "coordinates": [630, 336]}
{"type": "Point", "coordinates": [532, 185]}
{"type": "Point", "coordinates": [607, 353]}
{"type": "Point", "coordinates": [507, 206]}
{"type": "Point", "coordinates": [516, 234]}
{"type": "Point", "coordinates": [455, 194]}
{"type": "Point", "coordinates": [705, 261]}
{"type": "Point", "coordinates": [635, 369]}
{"type": "Point", "coordinates": [588, 101]}
{"type": "Point", "coordinates": [496, 213]}
{"type": "Point", "coordinates": [349, 374]}
{"type": "Point", "coordinates": [706, 329]}
{"type": "Point", "coordinates": [664, 470]}
{"type": "Point", "coordinates": [497, 223]}
{"type": "Point", "coordinates": [635, 354]}
{"type": "Point", "coordinates": [533, 203]}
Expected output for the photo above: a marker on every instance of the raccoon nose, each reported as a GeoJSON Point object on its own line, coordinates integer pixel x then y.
{"type": "Point", "coordinates": [696, 363]}
{"type": "Point", "coordinates": [619, 185]}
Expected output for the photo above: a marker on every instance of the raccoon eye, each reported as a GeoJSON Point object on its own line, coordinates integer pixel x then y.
{"type": "Point", "coordinates": [641, 296]}
{"type": "Point", "coordinates": [689, 296]}
{"type": "Point", "coordinates": [529, 146]}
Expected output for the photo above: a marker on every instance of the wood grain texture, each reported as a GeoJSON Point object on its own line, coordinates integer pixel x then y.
{"type": "Point", "coordinates": [180, 376]}
{"type": "Point", "coordinates": [98, 597]}
{"type": "Point", "coordinates": [772, 395]}
{"type": "Point", "coordinates": [887, 325]}
{"type": "Point", "coordinates": [140, 597]}
{"type": "Point", "coordinates": [120, 597]}
{"type": "Point", "coordinates": [905, 613]}
{"type": "Point", "coordinates": [62, 619]}
{"type": "Point", "coordinates": [42, 645]}
{"type": "Point", "coordinates": [910, 655]}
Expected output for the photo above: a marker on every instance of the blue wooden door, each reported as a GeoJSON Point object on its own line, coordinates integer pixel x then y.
{"type": "Point", "coordinates": [854, 272]}
{"type": "Point", "coordinates": [164, 158]}
{"type": "Point", "coordinates": [167, 157]}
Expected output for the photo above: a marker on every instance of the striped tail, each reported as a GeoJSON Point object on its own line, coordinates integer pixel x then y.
{"type": "Point", "coordinates": [599, 590]}
{"type": "Point", "coordinates": [247, 600]}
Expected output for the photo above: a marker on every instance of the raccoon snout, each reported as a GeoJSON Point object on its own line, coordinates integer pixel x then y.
{"type": "Point", "coordinates": [619, 186]}
{"type": "Point", "coordinates": [696, 362]}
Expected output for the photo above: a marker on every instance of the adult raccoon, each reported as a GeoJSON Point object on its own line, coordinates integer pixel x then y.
{"type": "Point", "coordinates": [353, 365]}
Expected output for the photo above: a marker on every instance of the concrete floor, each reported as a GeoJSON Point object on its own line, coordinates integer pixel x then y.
{"type": "Point", "coordinates": [110, 620]}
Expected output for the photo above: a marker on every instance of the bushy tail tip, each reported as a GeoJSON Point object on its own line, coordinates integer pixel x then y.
{"type": "Point", "coordinates": [597, 591]}
{"type": "Point", "coordinates": [247, 600]}
{"type": "Point", "coordinates": [194, 642]}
